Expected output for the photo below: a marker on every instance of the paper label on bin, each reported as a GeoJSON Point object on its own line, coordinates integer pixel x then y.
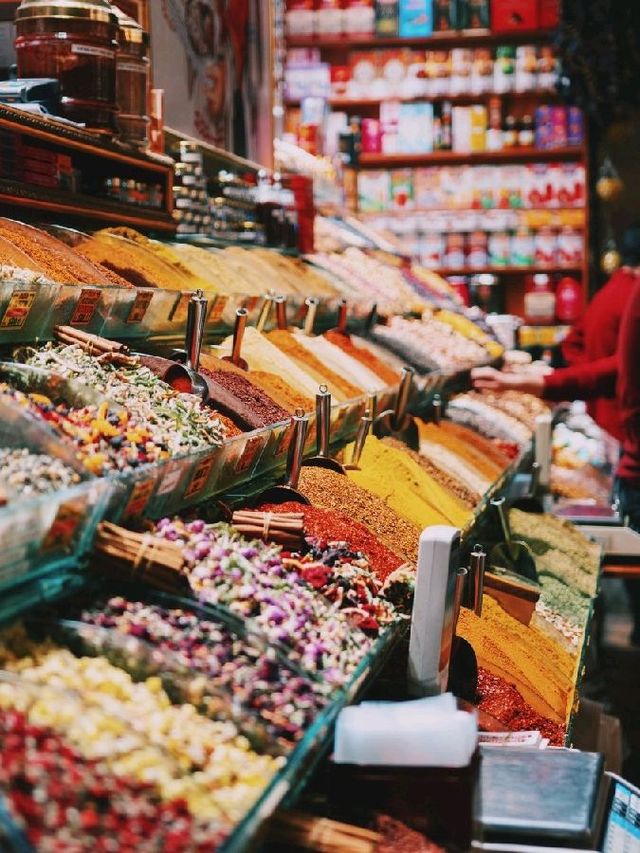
{"type": "Point", "coordinates": [140, 497]}
{"type": "Point", "coordinates": [67, 521]}
{"type": "Point", "coordinates": [178, 313]}
{"type": "Point", "coordinates": [171, 478]}
{"type": "Point", "coordinates": [139, 308]}
{"type": "Point", "coordinates": [17, 310]}
{"type": "Point", "coordinates": [86, 306]}
{"type": "Point", "coordinates": [250, 452]}
{"type": "Point", "coordinates": [218, 309]}
{"type": "Point", "coordinates": [200, 476]}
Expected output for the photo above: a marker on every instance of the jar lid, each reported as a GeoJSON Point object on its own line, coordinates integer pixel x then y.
{"type": "Point", "coordinates": [130, 31]}
{"type": "Point", "coordinates": [92, 10]}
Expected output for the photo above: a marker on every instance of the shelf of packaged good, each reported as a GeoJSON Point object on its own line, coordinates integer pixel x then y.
{"type": "Point", "coordinates": [473, 158]}
{"type": "Point", "coordinates": [510, 270]}
{"type": "Point", "coordinates": [452, 38]}
{"type": "Point", "coordinates": [39, 202]}
{"type": "Point", "coordinates": [58, 148]}
{"type": "Point", "coordinates": [352, 103]}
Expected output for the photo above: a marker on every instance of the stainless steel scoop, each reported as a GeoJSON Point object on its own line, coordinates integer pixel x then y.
{"type": "Point", "coordinates": [181, 374]}
{"type": "Point", "coordinates": [288, 491]}
{"type": "Point", "coordinates": [512, 554]}
{"type": "Point", "coordinates": [397, 422]}
{"type": "Point", "coordinates": [366, 422]}
{"type": "Point", "coordinates": [242, 316]}
{"type": "Point", "coordinates": [322, 459]}
{"type": "Point", "coordinates": [531, 502]}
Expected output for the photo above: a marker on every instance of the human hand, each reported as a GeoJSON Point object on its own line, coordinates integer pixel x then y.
{"type": "Point", "coordinates": [490, 379]}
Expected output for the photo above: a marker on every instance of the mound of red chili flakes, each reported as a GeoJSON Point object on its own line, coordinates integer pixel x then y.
{"type": "Point", "coordinates": [501, 699]}
{"type": "Point", "coordinates": [328, 525]}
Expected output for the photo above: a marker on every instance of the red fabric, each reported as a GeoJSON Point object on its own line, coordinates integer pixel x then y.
{"type": "Point", "coordinates": [629, 390]}
{"type": "Point", "coordinates": [590, 350]}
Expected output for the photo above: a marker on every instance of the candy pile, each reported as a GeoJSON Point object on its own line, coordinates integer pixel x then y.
{"type": "Point", "coordinates": [255, 678]}
{"type": "Point", "coordinates": [473, 410]}
{"type": "Point", "coordinates": [137, 732]}
{"type": "Point", "coordinates": [64, 801]}
{"type": "Point", "coordinates": [252, 580]}
{"type": "Point", "coordinates": [25, 474]}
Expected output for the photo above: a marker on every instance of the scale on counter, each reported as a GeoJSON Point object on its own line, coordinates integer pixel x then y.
{"type": "Point", "coordinates": [434, 610]}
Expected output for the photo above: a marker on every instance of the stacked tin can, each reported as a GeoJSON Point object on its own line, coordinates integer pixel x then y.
{"type": "Point", "coordinates": [191, 201]}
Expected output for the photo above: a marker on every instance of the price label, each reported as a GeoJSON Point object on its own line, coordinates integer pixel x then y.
{"type": "Point", "coordinates": [250, 453]}
{"type": "Point", "coordinates": [284, 441]}
{"type": "Point", "coordinates": [140, 497]}
{"type": "Point", "coordinates": [251, 303]}
{"type": "Point", "coordinates": [218, 309]}
{"type": "Point", "coordinates": [67, 521]}
{"type": "Point", "coordinates": [171, 478]}
{"type": "Point", "coordinates": [139, 307]}
{"type": "Point", "coordinates": [200, 476]}
{"type": "Point", "coordinates": [17, 310]}
{"type": "Point", "coordinates": [178, 313]}
{"type": "Point", "coordinates": [86, 306]}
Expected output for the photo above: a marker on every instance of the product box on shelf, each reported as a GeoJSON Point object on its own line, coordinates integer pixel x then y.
{"type": "Point", "coordinates": [415, 18]}
{"type": "Point", "coordinates": [514, 15]}
{"type": "Point", "coordinates": [387, 17]}
{"type": "Point", "coordinates": [358, 17]}
{"type": "Point", "coordinates": [300, 17]}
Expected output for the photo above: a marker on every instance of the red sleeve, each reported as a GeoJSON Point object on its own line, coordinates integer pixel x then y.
{"type": "Point", "coordinates": [572, 346]}
{"type": "Point", "coordinates": [584, 381]}
{"type": "Point", "coordinates": [629, 389]}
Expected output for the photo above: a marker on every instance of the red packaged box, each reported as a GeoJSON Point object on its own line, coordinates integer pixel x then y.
{"type": "Point", "coordinates": [513, 15]}
{"type": "Point", "coordinates": [549, 14]}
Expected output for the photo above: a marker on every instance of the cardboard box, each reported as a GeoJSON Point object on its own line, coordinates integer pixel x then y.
{"type": "Point", "coordinates": [415, 18]}
{"type": "Point", "coordinates": [387, 17]}
{"type": "Point", "coordinates": [514, 15]}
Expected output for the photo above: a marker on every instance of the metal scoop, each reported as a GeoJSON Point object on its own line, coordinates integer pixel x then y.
{"type": "Point", "coordinates": [288, 491]}
{"type": "Point", "coordinates": [310, 317]}
{"type": "Point", "coordinates": [397, 422]}
{"type": "Point", "coordinates": [322, 459]}
{"type": "Point", "coordinates": [281, 312]}
{"type": "Point", "coordinates": [512, 553]}
{"type": "Point", "coordinates": [437, 407]}
{"type": "Point", "coordinates": [366, 422]}
{"type": "Point", "coordinates": [531, 502]}
{"type": "Point", "coordinates": [242, 316]}
{"type": "Point", "coordinates": [265, 312]}
{"type": "Point", "coordinates": [185, 377]}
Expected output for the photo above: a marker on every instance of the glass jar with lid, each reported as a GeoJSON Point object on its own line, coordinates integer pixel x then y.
{"type": "Point", "coordinates": [75, 42]}
{"type": "Point", "coordinates": [132, 81]}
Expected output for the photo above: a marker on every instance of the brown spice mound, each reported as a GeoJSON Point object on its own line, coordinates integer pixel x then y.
{"type": "Point", "coordinates": [400, 838]}
{"type": "Point", "coordinates": [52, 257]}
{"type": "Point", "coordinates": [287, 344]}
{"type": "Point", "coordinates": [263, 409]}
{"type": "Point", "coordinates": [501, 700]}
{"type": "Point", "coordinates": [466, 496]}
{"type": "Point", "coordinates": [478, 443]}
{"type": "Point", "coordinates": [231, 430]}
{"type": "Point", "coordinates": [134, 263]}
{"type": "Point", "coordinates": [336, 492]}
{"type": "Point", "coordinates": [364, 356]}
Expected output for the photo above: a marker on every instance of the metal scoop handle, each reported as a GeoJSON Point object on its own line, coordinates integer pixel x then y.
{"type": "Point", "coordinates": [310, 318]}
{"type": "Point", "coordinates": [265, 311]}
{"type": "Point", "coordinates": [196, 317]}
{"type": "Point", "coordinates": [300, 426]}
{"type": "Point", "coordinates": [323, 421]}
{"type": "Point", "coordinates": [281, 312]}
{"type": "Point", "coordinates": [437, 409]}
{"type": "Point", "coordinates": [477, 566]}
{"type": "Point", "coordinates": [242, 315]}
{"type": "Point", "coordinates": [366, 422]}
{"type": "Point", "coordinates": [343, 311]}
{"type": "Point", "coordinates": [403, 397]}
{"type": "Point", "coordinates": [498, 504]}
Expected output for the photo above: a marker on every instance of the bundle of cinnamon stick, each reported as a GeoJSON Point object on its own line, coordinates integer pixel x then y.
{"type": "Point", "coordinates": [321, 834]}
{"type": "Point", "coordinates": [101, 348]}
{"type": "Point", "coordinates": [141, 557]}
{"type": "Point", "coordinates": [283, 528]}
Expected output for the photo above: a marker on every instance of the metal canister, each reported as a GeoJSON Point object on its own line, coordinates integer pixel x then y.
{"type": "Point", "coordinates": [74, 41]}
{"type": "Point", "coordinates": [132, 81]}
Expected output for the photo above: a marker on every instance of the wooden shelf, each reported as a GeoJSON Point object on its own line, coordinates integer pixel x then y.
{"type": "Point", "coordinates": [463, 38]}
{"type": "Point", "coordinates": [440, 158]}
{"type": "Point", "coordinates": [365, 103]}
{"type": "Point", "coordinates": [507, 270]}
{"type": "Point", "coordinates": [39, 201]}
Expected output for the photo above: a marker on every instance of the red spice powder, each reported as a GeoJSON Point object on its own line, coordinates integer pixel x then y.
{"type": "Point", "coordinates": [328, 525]}
{"type": "Point", "coordinates": [501, 699]}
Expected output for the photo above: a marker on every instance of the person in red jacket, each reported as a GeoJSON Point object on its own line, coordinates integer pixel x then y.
{"type": "Point", "coordinates": [589, 350]}
{"type": "Point", "coordinates": [628, 400]}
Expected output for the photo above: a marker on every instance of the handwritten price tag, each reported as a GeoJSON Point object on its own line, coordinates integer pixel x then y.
{"type": "Point", "coordinates": [178, 313]}
{"type": "Point", "coordinates": [67, 521]}
{"type": "Point", "coordinates": [200, 476]}
{"type": "Point", "coordinates": [250, 453]}
{"type": "Point", "coordinates": [218, 309]}
{"type": "Point", "coordinates": [140, 497]}
{"type": "Point", "coordinates": [139, 307]}
{"type": "Point", "coordinates": [86, 306]}
{"type": "Point", "coordinates": [17, 310]}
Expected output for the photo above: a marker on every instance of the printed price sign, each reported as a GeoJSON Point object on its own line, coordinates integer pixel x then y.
{"type": "Point", "coordinates": [67, 521]}
{"type": "Point", "coordinates": [250, 453]}
{"type": "Point", "coordinates": [178, 313]}
{"type": "Point", "coordinates": [200, 476]}
{"type": "Point", "coordinates": [86, 306]}
{"type": "Point", "coordinates": [139, 307]}
{"type": "Point", "coordinates": [140, 497]}
{"type": "Point", "coordinates": [17, 310]}
{"type": "Point", "coordinates": [218, 309]}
